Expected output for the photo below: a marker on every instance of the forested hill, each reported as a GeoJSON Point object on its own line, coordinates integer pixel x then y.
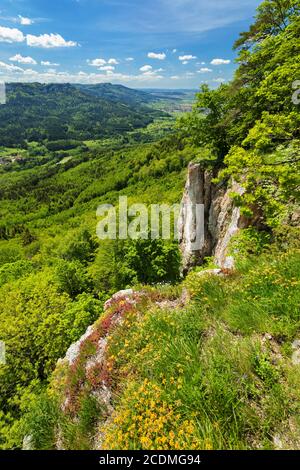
{"type": "Point", "coordinates": [119, 93]}
{"type": "Point", "coordinates": [36, 112]}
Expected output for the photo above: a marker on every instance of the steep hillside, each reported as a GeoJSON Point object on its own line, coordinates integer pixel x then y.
{"type": "Point", "coordinates": [208, 360]}
{"type": "Point", "coordinates": [55, 272]}
{"type": "Point", "coordinates": [213, 364]}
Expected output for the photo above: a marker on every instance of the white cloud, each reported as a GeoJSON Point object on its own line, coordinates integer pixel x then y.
{"type": "Point", "coordinates": [97, 62]}
{"type": "Point", "coordinates": [185, 58]}
{"type": "Point", "coordinates": [220, 62]}
{"type": "Point", "coordinates": [11, 35]}
{"type": "Point", "coordinates": [52, 76]}
{"type": "Point", "coordinates": [185, 62]}
{"type": "Point", "coordinates": [107, 68]}
{"type": "Point", "coordinates": [159, 56]}
{"type": "Point", "coordinates": [102, 62]}
{"type": "Point", "coordinates": [49, 64]}
{"type": "Point", "coordinates": [204, 70]}
{"type": "Point", "coordinates": [25, 21]}
{"type": "Point", "coordinates": [48, 41]}
{"type": "Point", "coordinates": [31, 73]}
{"type": "Point", "coordinates": [129, 59]}
{"type": "Point", "coordinates": [175, 77]}
{"type": "Point", "coordinates": [23, 60]}
{"type": "Point", "coordinates": [146, 68]}
{"type": "Point", "coordinates": [174, 51]}
{"type": "Point", "coordinates": [152, 74]}
{"type": "Point", "coordinates": [10, 68]}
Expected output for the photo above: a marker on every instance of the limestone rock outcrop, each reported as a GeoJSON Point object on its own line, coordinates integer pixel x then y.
{"type": "Point", "coordinates": [219, 219]}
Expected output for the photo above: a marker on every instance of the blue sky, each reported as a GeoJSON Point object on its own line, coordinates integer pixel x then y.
{"type": "Point", "coordinates": [157, 43]}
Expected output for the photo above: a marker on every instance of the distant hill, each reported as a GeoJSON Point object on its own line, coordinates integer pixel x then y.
{"type": "Point", "coordinates": [37, 112]}
{"type": "Point", "coordinates": [183, 95]}
{"type": "Point", "coordinates": [119, 93]}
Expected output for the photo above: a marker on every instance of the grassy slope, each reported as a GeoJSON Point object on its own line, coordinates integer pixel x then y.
{"type": "Point", "coordinates": [214, 374]}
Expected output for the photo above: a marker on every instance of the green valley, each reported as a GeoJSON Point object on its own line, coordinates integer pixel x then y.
{"type": "Point", "coordinates": [205, 357]}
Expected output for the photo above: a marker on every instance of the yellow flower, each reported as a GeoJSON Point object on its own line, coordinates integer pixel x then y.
{"type": "Point", "coordinates": [208, 444]}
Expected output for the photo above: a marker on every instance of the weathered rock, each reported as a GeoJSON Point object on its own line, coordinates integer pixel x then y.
{"type": "Point", "coordinates": [74, 349]}
{"type": "Point", "coordinates": [27, 443]}
{"type": "Point", "coordinates": [221, 221]}
{"type": "Point", "coordinates": [229, 222]}
{"type": "Point", "coordinates": [97, 362]}
{"type": "Point", "coordinates": [192, 226]}
{"type": "Point", "coordinates": [296, 353]}
{"type": "Point", "coordinates": [121, 295]}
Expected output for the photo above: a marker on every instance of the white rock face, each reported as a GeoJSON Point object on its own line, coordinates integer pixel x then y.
{"type": "Point", "coordinates": [122, 294]}
{"type": "Point", "coordinates": [28, 443]}
{"type": "Point", "coordinates": [296, 353]}
{"type": "Point", "coordinates": [228, 225]}
{"type": "Point", "coordinates": [192, 223]}
{"type": "Point", "coordinates": [74, 349]}
{"type": "Point", "coordinates": [222, 220]}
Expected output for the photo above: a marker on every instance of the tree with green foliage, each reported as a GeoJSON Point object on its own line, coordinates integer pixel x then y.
{"type": "Point", "coordinates": [251, 125]}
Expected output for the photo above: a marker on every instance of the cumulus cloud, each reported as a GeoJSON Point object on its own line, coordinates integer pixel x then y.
{"type": "Point", "coordinates": [51, 76]}
{"type": "Point", "coordinates": [25, 21]}
{"type": "Point", "coordinates": [175, 77]}
{"type": "Point", "coordinates": [184, 58]}
{"type": "Point", "coordinates": [10, 67]}
{"type": "Point", "coordinates": [97, 62]}
{"type": "Point", "coordinates": [107, 68]}
{"type": "Point", "coordinates": [129, 59]}
{"type": "Point", "coordinates": [159, 56]}
{"type": "Point", "coordinates": [204, 70]}
{"type": "Point", "coordinates": [220, 62]}
{"type": "Point", "coordinates": [146, 68]}
{"type": "Point", "coordinates": [11, 35]}
{"type": "Point", "coordinates": [49, 64]}
{"type": "Point", "coordinates": [30, 73]}
{"type": "Point", "coordinates": [48, 41]}
{"type": "Point", "coordinates": [23, 60]}
{"type": "Point", "coordinates": [112, 62]}
{"type": "Point", "coordinates": [102, 62]}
